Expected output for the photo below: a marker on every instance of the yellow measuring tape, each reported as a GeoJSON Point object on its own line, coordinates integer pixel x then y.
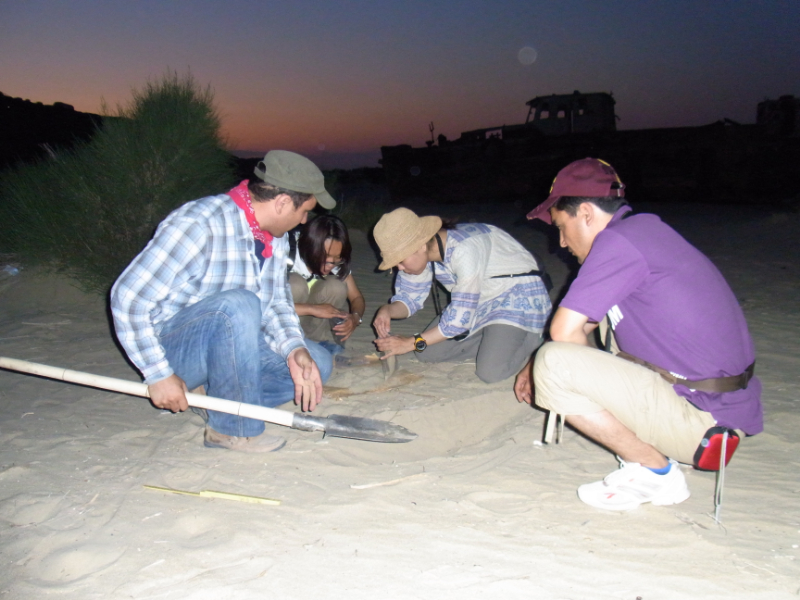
{"type": "Point", "coordinates": [213, 494]}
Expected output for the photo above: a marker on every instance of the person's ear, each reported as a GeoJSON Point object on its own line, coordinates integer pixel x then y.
{"type": "Point", "coordinates": [585, 212]}
{"type": "Point", "coordinates": [281, 202]}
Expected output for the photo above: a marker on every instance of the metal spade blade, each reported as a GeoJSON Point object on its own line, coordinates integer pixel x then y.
{"type": "Point", "coordinates": [356, 428]}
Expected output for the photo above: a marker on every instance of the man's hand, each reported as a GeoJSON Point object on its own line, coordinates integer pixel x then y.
{"type": "Point", "coordinates": [523, 384]}
{"type": "Point", "coordinates": [394, 345]}
{"type": "Point", "coordinates": [383, 321]}
{"type": "Point", "coordinates": [169, 393]}
{"type": "Point", "coordinates": [307, 380]}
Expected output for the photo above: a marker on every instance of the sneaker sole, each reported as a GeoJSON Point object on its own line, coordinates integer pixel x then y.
{"type": "Point", "coordinates": [677, 499]}
{"type": "Point", "coordinates": [633, 504]}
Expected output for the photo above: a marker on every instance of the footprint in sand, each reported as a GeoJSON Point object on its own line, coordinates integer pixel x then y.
{"type": "Point", "coordinates": [29, 509]}
{"type": "Point", "coordinates": [14, 471]}
{"type": "Point", "coordinates": [76, 562]}
{"type": "Point", "coordinates": [197, 531]}
{"type": "Point", "coordinates": [498, 502]}
{"type": "Point", "coordinates": [132, 434]}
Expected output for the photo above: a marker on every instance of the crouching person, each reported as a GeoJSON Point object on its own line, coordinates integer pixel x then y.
{"type": "Point", "coordinates": [324, 290]}
{"type": "Point", "coordinates": [499, 303]}
{"type": "Point", "coordinates": [207, 303]}
{"type": "Point", "coordinates": [685, 360]}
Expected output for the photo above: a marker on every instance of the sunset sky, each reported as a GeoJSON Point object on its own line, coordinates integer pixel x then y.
{"type": "Point", "coordinates": [336, 80]}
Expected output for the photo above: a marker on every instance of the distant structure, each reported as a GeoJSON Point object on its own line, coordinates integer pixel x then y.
{"type": "Point", "coordinates": [723, 161]}
{"type": "Point", "coordinates": [31, 130]}
{"type": "Point", "coordinates": [572, 113]}
{"type": "Point", "coordinates": [557, 114]}
{"type": "Point", "coordinates": [780, 117]}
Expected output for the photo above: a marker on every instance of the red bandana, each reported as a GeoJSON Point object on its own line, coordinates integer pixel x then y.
{"type": "Point", "coordinates": [241, 196]}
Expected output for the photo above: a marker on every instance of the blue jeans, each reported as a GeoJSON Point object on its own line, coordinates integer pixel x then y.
{"type": "Point", "coordinates": [218, 343]}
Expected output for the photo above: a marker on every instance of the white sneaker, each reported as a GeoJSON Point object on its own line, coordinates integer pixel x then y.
{"type": "Point", "coordinates": [632, 485]}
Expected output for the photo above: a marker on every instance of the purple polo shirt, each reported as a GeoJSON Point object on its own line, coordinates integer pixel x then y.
{"type": "Point", "coordinates": [670, 306]}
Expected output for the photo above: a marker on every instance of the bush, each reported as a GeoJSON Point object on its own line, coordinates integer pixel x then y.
{"type": "Point", "coordinates": [90, 210]}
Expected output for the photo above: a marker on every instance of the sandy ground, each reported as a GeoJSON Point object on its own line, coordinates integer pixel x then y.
{"type": "Point", "coordinates": [476, 507]}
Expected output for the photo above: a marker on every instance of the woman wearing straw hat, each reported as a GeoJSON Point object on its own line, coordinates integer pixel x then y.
{"type": "Point", "coordinates": [499, 302]}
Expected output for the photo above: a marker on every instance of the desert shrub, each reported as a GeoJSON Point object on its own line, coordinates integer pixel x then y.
{"type": "Point", "coordinates": [88, 211]}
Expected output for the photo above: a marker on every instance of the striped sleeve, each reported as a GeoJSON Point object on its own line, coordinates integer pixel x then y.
{"type": "Point", "coordinates": [412, 290]}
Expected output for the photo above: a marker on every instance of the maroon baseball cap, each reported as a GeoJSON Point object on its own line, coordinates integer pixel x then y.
{"type": "Point", "coordinates": [590, 177]}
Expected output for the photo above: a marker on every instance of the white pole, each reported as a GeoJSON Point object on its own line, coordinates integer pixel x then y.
{"type": "Point", "coordinates": [133, 388]}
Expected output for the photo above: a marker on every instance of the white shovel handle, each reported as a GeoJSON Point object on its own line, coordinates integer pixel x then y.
{"type": "Point", "coordinates": [262, 413]}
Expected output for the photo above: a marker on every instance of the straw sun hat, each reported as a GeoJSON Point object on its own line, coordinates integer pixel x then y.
{"type": "Point", "coordinates": [400, 233]}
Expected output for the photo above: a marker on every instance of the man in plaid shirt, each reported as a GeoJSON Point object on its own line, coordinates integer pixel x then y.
{"type": "Point", "coordinates": [206, 303]}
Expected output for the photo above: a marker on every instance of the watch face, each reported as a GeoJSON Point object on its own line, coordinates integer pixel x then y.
{"type": "Point", "coordinates": [420, 345]}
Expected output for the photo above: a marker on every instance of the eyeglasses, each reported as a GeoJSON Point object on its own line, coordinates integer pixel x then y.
{"type": "Point", "coordinates": [333, 264]}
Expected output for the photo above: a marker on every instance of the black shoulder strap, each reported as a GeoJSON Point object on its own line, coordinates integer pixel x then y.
{"type": "Point", "coordinates": [441, 248]}
{"type": "Point", "coordinates": [437, 305]}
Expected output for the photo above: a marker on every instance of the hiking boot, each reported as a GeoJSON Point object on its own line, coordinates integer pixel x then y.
{"type": "Point", "coordinates": [632, 485]}
{"type": "Point", "coordinates": [259, 443]}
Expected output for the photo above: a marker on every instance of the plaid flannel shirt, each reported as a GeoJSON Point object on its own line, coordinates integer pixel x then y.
{"type": "Point", "coordinates": [202, 248]}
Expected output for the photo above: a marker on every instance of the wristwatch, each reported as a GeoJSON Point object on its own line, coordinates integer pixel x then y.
{"type": "Point", "coordinates": [358, 316]}
{"type": "Point", "coordinates": [419, 343]}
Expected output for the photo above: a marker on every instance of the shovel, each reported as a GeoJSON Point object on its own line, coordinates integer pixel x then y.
{"type": "Point", "coordinates": [357, 428]}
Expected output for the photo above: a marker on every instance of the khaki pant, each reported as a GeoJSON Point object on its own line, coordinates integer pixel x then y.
{"type": "Point", "coordinates": [571, 379]}
{"type": "Point", "coordinates": [499, 351]}
{"type": "Point", "coordinates": [330, 290]}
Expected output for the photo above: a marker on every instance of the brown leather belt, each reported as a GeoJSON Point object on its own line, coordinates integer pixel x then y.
{"type": "Point", "coordinates": [718, 385]}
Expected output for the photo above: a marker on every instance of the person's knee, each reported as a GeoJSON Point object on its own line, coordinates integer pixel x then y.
{"type": "Point", "coordinates": [492, 373]}
{"type": "Point", "coordinates": [239, 301]}
{"type": "Point", "coordinates": [549, 359]}
{"type": "Point", "coordinates": [322, 357]}
{"type": "Point", "coordinates": [299, 288]}
{"type": "Point", "coordinates": [499, 368]}
{"type": "Point", "coordinates": [329, 291]}
{"type": "Point", "coordinates": [241, 309]}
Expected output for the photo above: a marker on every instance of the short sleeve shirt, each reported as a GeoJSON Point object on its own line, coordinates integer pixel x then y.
{"type": "Point", "coordinates": [669, 305]}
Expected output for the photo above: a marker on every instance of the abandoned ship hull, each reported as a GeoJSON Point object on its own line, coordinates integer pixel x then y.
{"type": "Point", "coordinates": [721, 162]}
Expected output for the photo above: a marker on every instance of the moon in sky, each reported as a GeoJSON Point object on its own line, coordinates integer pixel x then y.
{"type": "Point", "coordinates": [527, 56]}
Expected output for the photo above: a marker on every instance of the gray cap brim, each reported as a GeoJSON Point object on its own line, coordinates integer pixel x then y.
{"type": "Point", "coordinates": [291, 171]}
{"type": "Point", "coordinates": [325, 200]}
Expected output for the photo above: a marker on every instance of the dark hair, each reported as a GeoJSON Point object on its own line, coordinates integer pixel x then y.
{"type": "Point", "coordinates": [311, 244]}
{"type": "Point", "coordinates": [263, 192]}
{"type": "Point", "coordinates": [570, 204]}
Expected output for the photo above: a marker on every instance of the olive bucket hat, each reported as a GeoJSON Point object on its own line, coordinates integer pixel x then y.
{"type": "Point", "coordinates": [291, 171]}
{"type": "Point", "coordinates": [400, 233]}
